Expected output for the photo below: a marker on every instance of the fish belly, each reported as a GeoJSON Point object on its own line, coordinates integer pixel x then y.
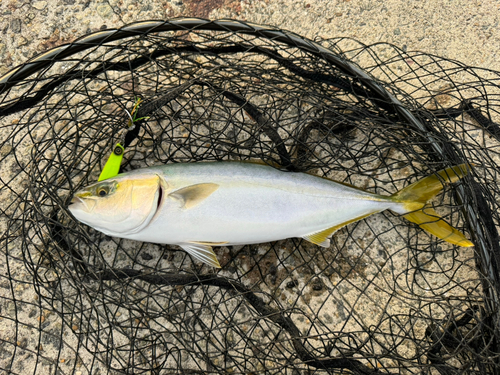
{"type": "Point", "coordinates": [256, 205]}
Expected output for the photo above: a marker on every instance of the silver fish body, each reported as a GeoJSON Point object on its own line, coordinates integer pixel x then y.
{"type": "Point", "coordinates": [200, 205]}
{"type": "Point", "coordinates": [253, 204]}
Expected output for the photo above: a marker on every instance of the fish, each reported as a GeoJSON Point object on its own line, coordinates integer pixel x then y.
{"type": "Point", "coordinates": [204, 204]}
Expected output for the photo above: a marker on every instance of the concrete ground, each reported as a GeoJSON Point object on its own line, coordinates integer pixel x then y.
{"type": "Point", "coordinates": [464, 30]}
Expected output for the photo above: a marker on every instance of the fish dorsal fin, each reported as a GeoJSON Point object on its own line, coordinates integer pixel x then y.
{"type": "Point", "coordinates": [322, 237]}
{"type": "Point", "coordinates": [193, 195]}
{"type": "Point", "coordinates": [201, 252]}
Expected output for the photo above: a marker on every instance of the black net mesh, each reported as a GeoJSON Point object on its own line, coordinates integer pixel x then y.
{"type": "Point", "coordinates": [385, 297]}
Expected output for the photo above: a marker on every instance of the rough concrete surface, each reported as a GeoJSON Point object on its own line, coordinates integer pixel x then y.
{"type": "Point", "coordinates": [464, 30]}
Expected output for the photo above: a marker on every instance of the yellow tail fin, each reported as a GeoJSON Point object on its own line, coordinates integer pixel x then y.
{"type": "Point", "coordinates": [415, 197]}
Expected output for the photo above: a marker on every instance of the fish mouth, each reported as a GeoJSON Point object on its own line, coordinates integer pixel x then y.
{"type": "Point", "coordinates": [75, 199]}
{"type": "Point", "coordinates": [78, 203]}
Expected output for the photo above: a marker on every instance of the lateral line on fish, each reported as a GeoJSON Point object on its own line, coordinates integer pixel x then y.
{"type": "Point", "coordinates": [367, 197]}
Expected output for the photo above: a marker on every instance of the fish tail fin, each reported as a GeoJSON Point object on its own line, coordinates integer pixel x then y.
{"type": "Point", "coordinates": [414, 199]}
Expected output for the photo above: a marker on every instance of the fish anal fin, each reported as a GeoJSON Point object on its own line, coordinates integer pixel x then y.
{"type": "Point", "coordinates": [201, 252]}
{"type": "Point", "coordinates": [322, 237]}
{"type": "Point", "coordinates": [193, 195]}
{"type": "Point", "coordinates": [209, 243]}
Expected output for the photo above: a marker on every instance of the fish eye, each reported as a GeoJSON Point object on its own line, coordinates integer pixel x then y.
{"type": "Point", "coordinates": [103, 191]}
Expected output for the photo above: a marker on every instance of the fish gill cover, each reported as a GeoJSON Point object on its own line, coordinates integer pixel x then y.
{"type": "Point", "coordinates": [385, 297]}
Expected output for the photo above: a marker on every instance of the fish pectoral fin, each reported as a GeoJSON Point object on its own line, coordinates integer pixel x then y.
{"type": "Point", "coordinates": [193, 195]}
{"type": "Point", "coordinates": [322, 237]}
{"type": "Point", "coordinates": [201, 252]}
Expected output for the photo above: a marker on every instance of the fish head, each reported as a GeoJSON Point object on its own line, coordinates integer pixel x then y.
{"type": "Point", "coordinates": [118, 206]}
